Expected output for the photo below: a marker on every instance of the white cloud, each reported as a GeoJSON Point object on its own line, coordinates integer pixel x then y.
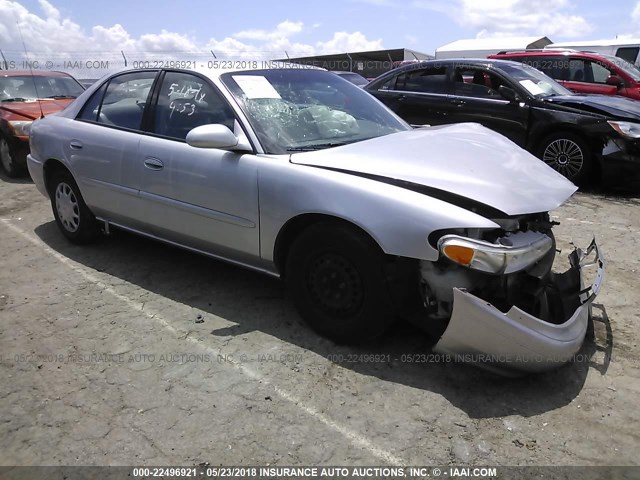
{"type": "Point", "coordinates": [49, 10]}
{"type": "Point", "coordinates": [49, 35]}
{"type": "Point", "coordinates": [282, 30]}
{"type": "Point", "coordinates": [552, 18]}
{"type": "Point", "coordinates": [635, 15]}
{"type": "Point", "coordinates": [348, 42]}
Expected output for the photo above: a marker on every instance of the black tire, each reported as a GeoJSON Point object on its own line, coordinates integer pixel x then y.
{"type": "Point", "coordinates": [568, 154]}
{"type": "Point", "coordinates": [336, 276]}
{"type": "Point", "coordinates": [8, 160]}
{"type": "Point", "coordinates": [73, 217]}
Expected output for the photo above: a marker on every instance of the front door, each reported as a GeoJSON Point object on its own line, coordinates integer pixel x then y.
{"type": "Point", "coordinates": [205, 198]}
{"type": "Point", "coordinates": [476, 99]}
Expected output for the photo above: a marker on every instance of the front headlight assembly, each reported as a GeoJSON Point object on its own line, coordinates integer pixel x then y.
{"type": "Point", "coordinates": [21, 128]}
{"type": "Point", "coordinates": [626, 129]}
{"type": "Point", "coordinates": [512, 253]}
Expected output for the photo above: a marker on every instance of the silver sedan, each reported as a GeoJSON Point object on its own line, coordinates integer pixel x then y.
{"type": "Point", "coordinates": [298, 173]}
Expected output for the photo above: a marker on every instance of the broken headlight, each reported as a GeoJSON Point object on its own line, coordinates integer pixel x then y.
{"type": "Point", "coordinates": [511, 253]}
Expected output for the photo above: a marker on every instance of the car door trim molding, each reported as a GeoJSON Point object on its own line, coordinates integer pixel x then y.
{"type": "Point", "coordinates": [409, 92]}
{"type": "Point", "coordinates": [493, 100]}
{"type": "Point", "coordinates": [187, 207]}
{"type": "Point", "coordinates": [204, 212]}
{"type": "Point", "coordinates": [112, 186]}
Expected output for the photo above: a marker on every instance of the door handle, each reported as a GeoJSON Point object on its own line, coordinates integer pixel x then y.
{"type": "Point", "coordinates": [458, 102]}
{"type": "Point", "coordinates": [153, 163]}
{"type": "Point", "coordinates": [75, 144]}
{"type": "Point", "coordinates": [401, 98]}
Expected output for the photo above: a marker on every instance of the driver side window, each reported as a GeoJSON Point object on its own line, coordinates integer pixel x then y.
{"type": "Point", "coordinates": [187, 101]}
{"type": "Point", "coordinates": [476, 83]}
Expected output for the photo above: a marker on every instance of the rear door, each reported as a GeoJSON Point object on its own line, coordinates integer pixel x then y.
{"type": "Point", "coordinates": [420, 95]}
{"type": "Point", "coordinates": [103, 146]}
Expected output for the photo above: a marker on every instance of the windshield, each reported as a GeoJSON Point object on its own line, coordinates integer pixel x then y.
{"type": "Point", "coordinates": [354, 78]}
{"type": "Point", "coordinates": [298, 110]}
{"type": "Point", "coordinates": [534, 81]}
{"type": "Point", "coordinates": [22, 88]}
{"type": "Point", "coordinates": [628, 68]}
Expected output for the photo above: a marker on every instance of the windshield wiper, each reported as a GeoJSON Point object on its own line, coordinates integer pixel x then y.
{"type": "Point", "coordinates": [58, 97]}
{"type": "Point", "coordinates": [15, 99]}
{"type": "Point", "coordinates": [317, 146]}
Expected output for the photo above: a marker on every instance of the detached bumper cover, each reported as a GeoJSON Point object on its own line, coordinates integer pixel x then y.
{"type": "Point", "coordinates": [515, 341]}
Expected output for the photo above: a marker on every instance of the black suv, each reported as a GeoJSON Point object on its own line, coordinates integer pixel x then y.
{"type": "Point", "coordinates": [574, 134]}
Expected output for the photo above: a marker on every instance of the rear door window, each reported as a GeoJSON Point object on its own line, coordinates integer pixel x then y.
{"type": "Point", "coordinates": [427, 80]}
{"type": "Point", "coordinates": [125, 100]}
{"type": "Point", "coordinates": [577, 70]}
{"type": "Point", "coordinates": [555, 66]}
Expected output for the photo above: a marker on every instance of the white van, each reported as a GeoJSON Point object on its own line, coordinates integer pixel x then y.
{"type": "Point", "coordinates": [628, 49]}
{"type": "Point", "coordinates": [483, 47]}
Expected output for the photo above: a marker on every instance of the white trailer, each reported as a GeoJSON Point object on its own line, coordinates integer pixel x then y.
{"type": "Point", "coordinates": [627, 48]}
{"type": "Point", "coordinates": [482, 47]}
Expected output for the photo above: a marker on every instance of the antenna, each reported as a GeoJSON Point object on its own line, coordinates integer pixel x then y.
{"type": "Point", "coordinates": [33, 78]}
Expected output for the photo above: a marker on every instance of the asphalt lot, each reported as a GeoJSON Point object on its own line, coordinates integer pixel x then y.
{"type": "Point", "coordinates": [104, 361]}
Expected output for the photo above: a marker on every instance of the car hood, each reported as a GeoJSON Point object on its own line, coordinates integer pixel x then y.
{"type": "Point", "coordinates": [608, 105]}
{"type": "Point", "coordinates": [466, 160]}
{"type": "Point", "coordinates": [31, 110]}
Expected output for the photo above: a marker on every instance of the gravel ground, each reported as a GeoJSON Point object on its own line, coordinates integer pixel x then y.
{"type": "Point", "coordinates": [129, 352]}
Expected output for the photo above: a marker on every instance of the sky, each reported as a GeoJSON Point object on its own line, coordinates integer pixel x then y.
{"type": "Point", "coordinates": [79, 29]}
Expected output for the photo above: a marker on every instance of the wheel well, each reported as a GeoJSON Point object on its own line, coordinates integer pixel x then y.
{"type": "Point", "coordinates": [295, 226]}
{"type": "Point", "coordinates": [52, 166]}
{"type": "Point", "coordinates": [594, 145]}
{"type": "Point", "coordinates": [553, 129]}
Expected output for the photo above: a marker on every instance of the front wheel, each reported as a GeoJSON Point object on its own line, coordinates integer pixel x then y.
{"type": "Point", "coordinates": [568, 154]}
{"type": "Point", "coordinates": [336, 276]}
{"type": "Point", "coordinates": [73, 217]}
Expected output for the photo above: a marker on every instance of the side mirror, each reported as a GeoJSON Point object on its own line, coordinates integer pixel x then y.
{"type": "Point", "coordinates": [615, 80]}
{"type": "Point", "coordinates": [212, 136]}
{"type": "Point", "coordinates": [508, 93]}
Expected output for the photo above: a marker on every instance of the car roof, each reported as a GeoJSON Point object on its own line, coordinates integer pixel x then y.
{"type": "Point", "coordinates": [555, 52]}
{"type": "Point", "coordinates": [34, 73]}
{"type": "Point", "coordinates": [460, 62]}
{"type": "Point", "coordinates": [215, 73]}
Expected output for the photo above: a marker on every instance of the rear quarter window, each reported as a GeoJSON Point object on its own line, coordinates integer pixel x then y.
{"type": "Point", "coordinates": [630, 54]}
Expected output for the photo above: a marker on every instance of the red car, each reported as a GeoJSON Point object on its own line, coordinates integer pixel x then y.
{"type": "Point", "coordinates": [582, 72]}
{"type": "Point", "coordinates": [21, 104]}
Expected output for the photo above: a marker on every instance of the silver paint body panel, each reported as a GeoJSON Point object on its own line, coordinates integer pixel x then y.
{"type": "Point", "coordinates": [233, 205]}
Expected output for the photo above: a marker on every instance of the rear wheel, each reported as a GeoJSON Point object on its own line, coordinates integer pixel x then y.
{"type": "Point", "coordinates": [8, 159]}
{"type": "Point", "coordinates": [73, 217]}
{"type": "Point", "coordinates": [336, 276]}
{"type": "Point", "coordinates": [568, 154]}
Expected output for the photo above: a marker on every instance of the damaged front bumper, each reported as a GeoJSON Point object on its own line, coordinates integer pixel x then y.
{"type": "Point", "coordinates": [516, 341]}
